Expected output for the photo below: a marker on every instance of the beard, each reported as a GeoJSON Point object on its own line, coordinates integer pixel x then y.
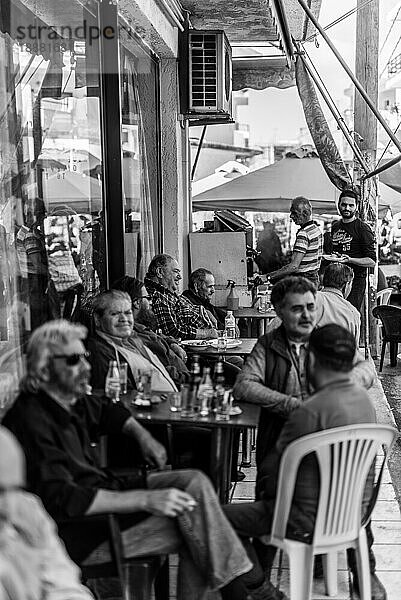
{"type": "Point", "coordinates": [147, 317]}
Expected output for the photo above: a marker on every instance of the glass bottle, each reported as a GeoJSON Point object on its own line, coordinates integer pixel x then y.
{"type": "Point", "coordinates": [113, 386]}
{"type": "Point", "coordinates": [205, 393]}
{"type": "Point", "coordinates": [219, 383]}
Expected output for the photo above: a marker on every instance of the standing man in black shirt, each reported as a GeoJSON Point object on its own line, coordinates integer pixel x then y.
{"type": "Point", "coordinates": [354, 240]}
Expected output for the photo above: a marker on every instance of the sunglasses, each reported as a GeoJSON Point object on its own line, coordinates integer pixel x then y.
{"type": "Point", "coordinates": [72, 359]}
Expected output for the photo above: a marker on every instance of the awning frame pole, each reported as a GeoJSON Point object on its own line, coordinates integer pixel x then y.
{"type": "Point", "coordinates": [339, 121]}
{"type": "Point", "coordinates": [200, 144]}
{"type": "Point", "coordinates": [382, 168]}
{"type": "Point", "coordinates": [351, 75]}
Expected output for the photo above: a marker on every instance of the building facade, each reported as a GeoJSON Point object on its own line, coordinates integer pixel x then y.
{"type": "Point", "coordinates": [94, 151]}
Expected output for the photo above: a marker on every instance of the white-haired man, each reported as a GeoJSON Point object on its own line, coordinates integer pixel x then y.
{"type": "Point", "coordinates": [33, 560]}
{"type": "Point", "coordinates": [175, 314]}
{"type": "Point", "coordinates": [171, 511]}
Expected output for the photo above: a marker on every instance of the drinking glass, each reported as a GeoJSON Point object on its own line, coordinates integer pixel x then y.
{"type": "Point", "coordinates": [224, 406]}
{"type": "Point", "coordinates": [175, 401]}
{"type": "Point", "coordinates": [144, 385]}
{"type": "Point", "coordinates": [206, 403]}
{"type": "Point", "coordinates": [221, 340]}
{"type": "Point", "coordinates": [123, 377]}
{"type": "Point", "coordinates": [262, 306]}
{"type": "Point", "coordinates": [188, 397]}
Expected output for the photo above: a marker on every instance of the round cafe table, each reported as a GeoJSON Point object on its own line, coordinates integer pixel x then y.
{"type": "Point", "coordinates": [222, 433]}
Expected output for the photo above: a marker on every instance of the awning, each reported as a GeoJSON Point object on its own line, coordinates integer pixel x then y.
{"type": "Point", "coordinates": [272, 189]}
{"type": "Point", "coordinates": [261, 73]}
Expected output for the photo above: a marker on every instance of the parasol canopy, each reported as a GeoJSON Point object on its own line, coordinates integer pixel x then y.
{"type": "Point", "coordinates": [272, 189]}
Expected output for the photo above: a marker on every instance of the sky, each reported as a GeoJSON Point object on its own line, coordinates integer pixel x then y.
{"type": "Point", "coordinates": [284, 106]}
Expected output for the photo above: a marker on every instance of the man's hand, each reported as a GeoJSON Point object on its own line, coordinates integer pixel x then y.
{"type": "Point", "coordinates": [153, 451]}
{"type": "Point", "coordinates": [168, 503]}
{"type": "Point", "coordinates": [176, 348]}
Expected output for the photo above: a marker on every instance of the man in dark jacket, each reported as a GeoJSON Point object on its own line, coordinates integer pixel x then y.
{"type": "Point", "coordinates": [275, 374]}
{"type": "Point", "coordinates": [165, 347]}
{"type": "Point", "coordinates": [118, 341]}
{"type": "Point", "coordinates": [201, 289]}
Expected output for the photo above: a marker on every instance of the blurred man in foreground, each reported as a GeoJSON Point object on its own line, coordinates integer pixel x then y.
{"type": "Point", "coordinates": [33, 562]}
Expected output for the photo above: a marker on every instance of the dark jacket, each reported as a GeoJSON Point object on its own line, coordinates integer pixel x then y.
{"type": "Point", "coordinates": [160, 345]}
{"type": "Point", "coordinates": [61, 467]}
{"type": "Point", "coordinates": [278, 366]}
{"type": "Point", "coordinates": [263, 381]}
{"type": "Point", "coordinates": [101, 353]}
{"type": "Point", "coordinates": [218, 313]}
{"type": "Point", "coordinates": [338, 404]}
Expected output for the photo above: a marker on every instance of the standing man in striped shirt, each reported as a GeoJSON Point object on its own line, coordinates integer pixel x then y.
{"type": "Point", "coordinates": [308, 248]}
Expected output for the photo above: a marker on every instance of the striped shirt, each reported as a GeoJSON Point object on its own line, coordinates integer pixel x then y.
{"type": "Point", "coordinates": [309, 241]}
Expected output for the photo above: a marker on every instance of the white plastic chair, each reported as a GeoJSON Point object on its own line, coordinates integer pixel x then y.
{"type": "Point", "coordinates": [382, 297]}
{"type": "Point", "coordinates": [344, 456]}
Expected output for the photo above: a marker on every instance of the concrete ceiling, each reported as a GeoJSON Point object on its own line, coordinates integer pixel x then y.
{"type": "Point", "coordinates": [248, 20]}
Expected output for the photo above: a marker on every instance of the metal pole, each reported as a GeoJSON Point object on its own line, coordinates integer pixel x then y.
{"type": "Point", "coordinates": [198, 152]}
{"type": "Point", "coordinates": [387, 165]}
{"type": "Point", "coordinates": [339, 121]}
{"type": "Point", "coordinates": [346, 68]}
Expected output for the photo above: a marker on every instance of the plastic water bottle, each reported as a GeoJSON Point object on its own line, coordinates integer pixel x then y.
{"type": "Point", "coordinates": [111, 389]}
{"type": "Point", "coordinates": [229, 322]}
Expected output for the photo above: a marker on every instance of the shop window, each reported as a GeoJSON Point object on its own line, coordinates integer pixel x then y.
{"type": "Point", "coordinates": [141, 154]}
{"type": "Point", "coordinates": [52, 248]}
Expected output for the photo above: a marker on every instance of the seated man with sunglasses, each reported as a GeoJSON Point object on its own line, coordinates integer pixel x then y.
{"type": "Point", "coordinates": [55, 421]}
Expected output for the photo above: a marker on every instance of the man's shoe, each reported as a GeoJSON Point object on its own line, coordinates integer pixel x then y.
{"type": "Point", "coordinates": [378, 591]}
{"type": "Point", "coordinates": [318, 567]}
{"type": "Point", "coordinates": [267, 591]}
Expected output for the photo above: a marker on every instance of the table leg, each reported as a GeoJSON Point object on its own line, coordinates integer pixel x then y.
{"type": "Point", "coordinates": [246, 448]}
{"type": "Point", "coordinates": [261, 324]}
{"type": "Point", "coordinates": [220, 461]}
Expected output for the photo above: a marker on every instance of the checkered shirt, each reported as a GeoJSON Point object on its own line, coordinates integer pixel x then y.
{"type": "Point", "coordinates": [176, 316]}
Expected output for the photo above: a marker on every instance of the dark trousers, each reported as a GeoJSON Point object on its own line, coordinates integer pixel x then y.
{"type": "Point", "coordinates": [254, 519]}
{"type": "Point", "coordinates": [357, 292]}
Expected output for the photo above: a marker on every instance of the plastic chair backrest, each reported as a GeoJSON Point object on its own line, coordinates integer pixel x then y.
{"type": "Point", "coordinates": [390, 317]}
{"type": "Point", "coordinates": [344, 455]}
{"type": "Point", "coordinates": [383, 297]}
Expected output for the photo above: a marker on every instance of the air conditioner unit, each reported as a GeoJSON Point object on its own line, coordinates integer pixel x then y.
{"type": "Point", "coordinates": [209, 74]}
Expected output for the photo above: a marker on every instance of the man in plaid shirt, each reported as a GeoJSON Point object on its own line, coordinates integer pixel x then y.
{"type": "Point", "coordinates": [176, 315]}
